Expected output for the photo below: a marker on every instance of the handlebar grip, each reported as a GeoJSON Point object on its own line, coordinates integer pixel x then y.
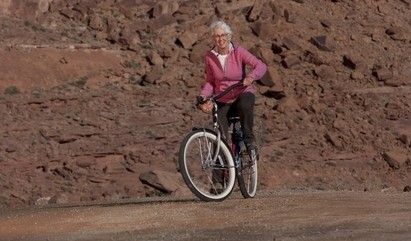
{"type": "Point", "coordinates": [200, 100]}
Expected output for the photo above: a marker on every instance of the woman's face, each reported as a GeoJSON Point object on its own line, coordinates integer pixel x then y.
{"type": "Point", "coordinates": [220, 38]}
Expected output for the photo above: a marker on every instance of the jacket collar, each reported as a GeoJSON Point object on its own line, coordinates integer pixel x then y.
{"type": "Point", "coordinates": [230, 48]}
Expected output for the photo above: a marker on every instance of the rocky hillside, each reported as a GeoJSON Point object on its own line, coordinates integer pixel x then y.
{"type": "Point", "coordinates": [95, 96]}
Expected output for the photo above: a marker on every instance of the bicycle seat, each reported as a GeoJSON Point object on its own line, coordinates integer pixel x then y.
{"type": "Point", "coordinates": [233, 119]}
{"type": "Point", "coordinates": [233, 116]}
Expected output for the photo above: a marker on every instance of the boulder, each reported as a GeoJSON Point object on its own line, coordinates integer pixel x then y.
{"type": "Point", "coordinates": [397, 33]}
{"type": "Point", "coordinates": [395, 81]}
{"type": "Point", "coordinates": [340, 124]}
{"type": "Point", "coordinates": [333, 139]}
{"type": "Point", "coordinates": [164, 8]}
{"type": "Point", "coordinates": [155, 58]}
{"type": "Point", "coordinates": [289, 16]}
{"type": "Point", "coordinates": [394, 158]}
{"type": "Point", "coordinates": [382, 73]}
{"type": "Point", "coordinates": [25, 9]}
{"type": "Point", "coordinates": [264, 29]}
{"type": "Point", "coordinates": [350, 62]}
{"type": "Point", "coordinates": [160, 23]}
{"type": "Point", "coordinates": [290, 61]}
{"type": "Point", "coordinates": [313, 58]}
{"type": "Point", "coordinates": [287, 104]}
{"type": "Point", "coordinates": [323, 43]}
{"type": "Point", "coordinates": [405, 138]}
{"type": "Point", "coordinates": [187, 39]}
{"type": "Point", "coordinates": [326, 23]}
{"type": "Point", "coordinates": [357, 75]}
{"type": "Point", "coordinates": [289, 44]}
{"type": "Point", "coordinates": [273, 79]}
{"type": "Point", "coordinates": [255, 11]}
{"type": "Point", "coordinates": [129, 38]}
{"type": "Point", "coordinates": [97, 23]}
{"type": "Point", "coordinates": [163, 181]}
{"type": "Point", "coordinates": [198, 52]}
{"type": "Point", "coordinates": [42, 201]}
{"type": "Point", "coordinates": [43, 6]}
{"type": "Point", "coordinates": [154, 76]}
{"type": "Point", "coordinates": [59, 199]}
{"type": "Point", "coordinates": [85, 162]}
{"type": "Point", "coordinates": [4, 7]}
{"type": "Point", "coordinates": [263, 16]}
{"type": "Point", "coordinates": [113, 30]}
{"type": "Point", "coordinates": [326, 72]}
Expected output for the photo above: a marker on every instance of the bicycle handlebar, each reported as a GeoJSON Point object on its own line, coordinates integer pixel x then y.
{"type": "Point", "coordinates": [201, 100]}
{"type": "Point", "coordinates": [218, 96]}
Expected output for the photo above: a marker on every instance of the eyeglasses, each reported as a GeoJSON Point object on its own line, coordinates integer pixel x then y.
{"type": "Point", "coordinates": [217, 36]}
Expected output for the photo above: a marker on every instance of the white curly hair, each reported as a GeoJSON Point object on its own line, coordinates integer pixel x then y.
{"type": "Point", "coordinates": [221, 25]}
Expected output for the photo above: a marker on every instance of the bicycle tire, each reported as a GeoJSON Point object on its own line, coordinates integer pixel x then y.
{"type": "Point", "coordinates": [247, 175]}
{"type": "Point", "coordinates": [190, 171]}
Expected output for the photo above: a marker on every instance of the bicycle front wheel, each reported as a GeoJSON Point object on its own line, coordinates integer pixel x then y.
{"type": "Point", "coordinates": [209, 180]}
{"type": "Point", "coordinates": [248, 175]}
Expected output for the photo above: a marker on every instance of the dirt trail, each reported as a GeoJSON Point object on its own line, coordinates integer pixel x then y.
{"type": "Point", "coordinates": [271, 216]}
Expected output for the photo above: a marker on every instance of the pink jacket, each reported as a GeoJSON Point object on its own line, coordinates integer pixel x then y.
{"type": "Point", "coordinates": [217, 79]}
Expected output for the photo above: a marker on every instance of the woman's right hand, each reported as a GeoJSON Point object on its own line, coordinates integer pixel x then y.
{"type": "Point", "coordinates": [207, 107]}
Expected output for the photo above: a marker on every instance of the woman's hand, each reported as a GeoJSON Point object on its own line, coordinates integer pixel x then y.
{"type": "Point", "coordinates": [207, 107]}
{"type": "Point", "coordinates": [248, 81]}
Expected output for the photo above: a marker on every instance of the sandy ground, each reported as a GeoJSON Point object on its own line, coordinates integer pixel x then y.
{"type": "Point", "coordinates": [270, 216]}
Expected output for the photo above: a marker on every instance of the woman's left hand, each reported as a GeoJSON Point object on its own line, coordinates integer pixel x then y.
{"type": "Point", "coordinates": [248, 81]}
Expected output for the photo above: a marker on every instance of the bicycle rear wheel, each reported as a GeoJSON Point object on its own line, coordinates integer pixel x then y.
{"type": "Point", "coordinates": [248, 175]}
{"type": "Point", "coordinates": [208, 180]}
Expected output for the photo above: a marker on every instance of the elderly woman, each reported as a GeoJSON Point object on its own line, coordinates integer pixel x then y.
{"type": "Point", "coordinates": [224, 66]}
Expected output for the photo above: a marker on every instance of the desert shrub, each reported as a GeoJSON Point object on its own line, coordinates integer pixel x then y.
{"type": "Point", "coordinates": [81, 82]}
{"type": "Point", "coordinates": [11, 90]}
{"type": "Point", "coordinates": [37, 93]}
{"type": "Point", "coordinates": [34, 27]}
{"type": "Point", "coordinates": [131, 64]}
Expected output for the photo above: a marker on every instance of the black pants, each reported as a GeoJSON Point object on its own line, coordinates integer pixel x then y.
{"type": "Point", "coordinates": [244, 108]}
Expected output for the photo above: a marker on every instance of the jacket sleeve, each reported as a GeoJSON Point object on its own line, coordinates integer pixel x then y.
{"type": "Point", "coordinates": [208, 87]}
{"type": "Point", "coordinates": [259, 68]}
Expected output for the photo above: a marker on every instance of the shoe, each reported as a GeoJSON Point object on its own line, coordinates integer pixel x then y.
{"type": "Point", "coordinates": [254, 155]}
{"type": "Point", "coordinates": [252, 151]}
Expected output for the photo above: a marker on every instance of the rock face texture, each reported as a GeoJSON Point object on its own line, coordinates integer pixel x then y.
{"type": "Point", "coordinates": [95, 96]}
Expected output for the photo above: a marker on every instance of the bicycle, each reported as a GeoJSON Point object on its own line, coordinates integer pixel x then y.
{"type": "Point", "coordinates": [209, 165]}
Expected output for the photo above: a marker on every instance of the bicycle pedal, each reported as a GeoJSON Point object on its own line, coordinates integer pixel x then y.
{"type": "Point", "coordinates": [254, 155]}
